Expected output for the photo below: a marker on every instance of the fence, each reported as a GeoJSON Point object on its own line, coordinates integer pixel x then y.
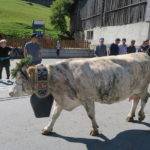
{"type": "Point", "coordinates": [42, 2]}
{"type": "Point", "coordinates": [50, 43]}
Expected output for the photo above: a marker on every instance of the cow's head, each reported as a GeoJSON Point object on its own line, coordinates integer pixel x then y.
{"type": "Point", "coordinates": [22, 74]}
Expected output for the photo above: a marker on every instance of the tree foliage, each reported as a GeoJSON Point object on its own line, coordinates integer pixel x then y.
{"type": "Point", "coordinates": [59, 15]}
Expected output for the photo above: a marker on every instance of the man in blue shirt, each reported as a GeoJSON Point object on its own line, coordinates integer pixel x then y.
{"type": "Point", "coordinates": [123, 47]}
{"type": "Point", "coordinates": [33, 49]}
{"type": "Point", "coordinates": [101, 49]}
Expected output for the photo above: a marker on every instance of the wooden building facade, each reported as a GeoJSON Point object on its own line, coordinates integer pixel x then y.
{"type": "Point", "coordinates": [88, 15]}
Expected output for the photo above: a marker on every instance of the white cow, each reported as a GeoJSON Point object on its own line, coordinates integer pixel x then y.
{"type": "Point", "coordinates": [107, 80]}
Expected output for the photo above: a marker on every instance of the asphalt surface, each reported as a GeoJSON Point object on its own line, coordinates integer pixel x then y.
{"type": "Point", "coordinates": [20, 130]}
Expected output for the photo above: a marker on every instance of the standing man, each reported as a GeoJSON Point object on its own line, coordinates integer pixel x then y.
{"type": "Point", "coordinates": [131, 48]}
{"type": "Point", "coordinates": [114, 48]}
{"type": "Point", "coordinates": [58, 48]}
{"type": "Point", "coordinates": [101, 49]}
{"type": "Point", "coordinates": [33, 49]}
{"type": "Point", "coordinates": [4, 58]}
{"type": "Point", "coordinates": [123, 47]}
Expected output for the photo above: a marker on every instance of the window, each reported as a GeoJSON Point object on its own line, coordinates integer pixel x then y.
{"type": "Point", "coordinates": [89, 35]}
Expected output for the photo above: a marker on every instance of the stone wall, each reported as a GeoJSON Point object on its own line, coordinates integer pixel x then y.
{"type": "Point", "coordinates": [68, 53]}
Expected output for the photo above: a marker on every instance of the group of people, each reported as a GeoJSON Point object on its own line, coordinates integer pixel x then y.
{"type": "Point", "coordinates": [119, 49]}
{"type": "Point", "coordinates": [31, 48]}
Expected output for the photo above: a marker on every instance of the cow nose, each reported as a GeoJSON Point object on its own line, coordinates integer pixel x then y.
{"type": "Point", "coordinates": [11, 94]}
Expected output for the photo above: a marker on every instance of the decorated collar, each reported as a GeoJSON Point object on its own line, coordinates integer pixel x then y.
{"type": "Point", "coordinates": [41, 86]}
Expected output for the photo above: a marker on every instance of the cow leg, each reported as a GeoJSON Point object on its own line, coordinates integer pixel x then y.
{"type": "Point", "coordinates": [56, 113]}
{"type": "Point", "coordinates": [90, 109]}
{"type": "Point", "coordinates": [131, 114]}
{"type": "Point", "coordinates": [141, 114]}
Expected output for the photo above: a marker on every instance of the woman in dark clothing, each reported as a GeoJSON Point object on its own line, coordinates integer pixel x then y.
{"type": "Point", "coordinates": [4, 58]}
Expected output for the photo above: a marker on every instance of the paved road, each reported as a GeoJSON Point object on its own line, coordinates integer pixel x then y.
{"type": "Point", "coordinates": [20, 130]}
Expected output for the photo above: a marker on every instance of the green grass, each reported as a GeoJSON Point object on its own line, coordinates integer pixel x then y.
{"type": "Point", "coordinates": [16, 18]}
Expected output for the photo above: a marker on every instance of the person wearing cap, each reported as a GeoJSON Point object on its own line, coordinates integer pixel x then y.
{"type": "Point", "coordinates": [4, 58]}
{"type": "Point", "coordinates": [131, 48]}
{"type": "Point", "coordinates": [101, 49]}
{"type": "Point", "coordinates": [114, 48]}
{"type": "Point", "coordinates": [33, 49]}
{"type": "Point", "coordinates": [123, 47]}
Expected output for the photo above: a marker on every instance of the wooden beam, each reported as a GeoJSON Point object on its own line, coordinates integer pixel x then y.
{"type": "Point", "coordinates": [100, 13]}
{"type": "Point", "coordinates": [128, 6]}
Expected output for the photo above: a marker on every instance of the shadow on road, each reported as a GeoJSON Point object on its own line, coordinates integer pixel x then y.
{"type": "Point", "coordinates": [142, 123]}
{"type": "Point", "coordinates": [127, 140]}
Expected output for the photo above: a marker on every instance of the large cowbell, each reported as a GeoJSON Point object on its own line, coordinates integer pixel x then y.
{"type": "Point", "coordinates": [41, 100]}
{"type": "Point", "coordinates": [41, 107]}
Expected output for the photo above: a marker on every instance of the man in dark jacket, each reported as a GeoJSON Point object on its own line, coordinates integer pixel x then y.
{"type": "Point", "coordinates": [131, 48]}
{"type": "Point", "coordinates": [4, 58]}
{"type": "Point", "coordinates": [114, 48]}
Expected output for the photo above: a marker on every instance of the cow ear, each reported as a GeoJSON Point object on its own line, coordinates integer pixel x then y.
{"type": "Point", "coordinates": [31, 72]}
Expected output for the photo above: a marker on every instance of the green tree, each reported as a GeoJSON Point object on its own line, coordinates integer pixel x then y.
{"type": "Point", "coordinates": [59, 16]}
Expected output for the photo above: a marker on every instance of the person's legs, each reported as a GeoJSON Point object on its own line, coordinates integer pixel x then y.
{"type": "Point", "coordinates": [7, 67]}
{"type": "Point", "coordinates": [58, 52]}
{"type": "Point", "coordinates": [1, 69]}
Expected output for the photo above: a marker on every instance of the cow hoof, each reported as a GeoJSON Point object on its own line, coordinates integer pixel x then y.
{"type": "Point", "coordinates": [94, 133]}
{"type": "Point", "coordinates": [130, 119]}
{"type": "Point", "coordinates": [141, 118]}
{"type": "Point", "coordinates": [46, 132]}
